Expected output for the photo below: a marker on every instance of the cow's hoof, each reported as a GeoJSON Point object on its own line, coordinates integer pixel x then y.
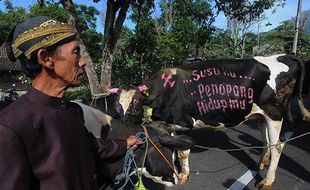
{"type": "Point", "coordinates": [183, 178]}
{"type": "Point", "coordinates": [262, 186]}
{"type": "Point", "coordinates": [265, 187]}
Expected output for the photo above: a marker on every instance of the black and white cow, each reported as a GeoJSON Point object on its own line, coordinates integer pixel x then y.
{"type": "Point", "coordinates": [155, 168]}
{"type": "Point", "coordinates": [223, 93]}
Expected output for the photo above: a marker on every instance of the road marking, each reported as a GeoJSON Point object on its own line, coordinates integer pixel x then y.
{"type": "Point", "coordinates": [243, 180]}
{"type": "Point", "coordinates": [249, 175]}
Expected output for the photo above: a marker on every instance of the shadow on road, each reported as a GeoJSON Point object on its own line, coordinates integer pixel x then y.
{"type": "Point", "coordinates": [242, 136]}
{"type": "Point", "coordinates": [221, 140]}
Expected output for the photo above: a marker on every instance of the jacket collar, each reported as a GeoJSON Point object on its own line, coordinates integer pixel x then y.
{"type": "Point", "coordinates": [39, 97]}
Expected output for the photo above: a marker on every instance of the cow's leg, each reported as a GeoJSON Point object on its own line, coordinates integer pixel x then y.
{"type": "Point", "coordinates": [265, 157]}
{"type": "Point", "coordinates": [274, 128]}
{"type": "Point", "coordinates": [184, 157]}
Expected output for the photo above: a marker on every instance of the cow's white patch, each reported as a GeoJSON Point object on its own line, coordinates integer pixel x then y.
{"type": "Point", "coordinates": [274, 66]}
{"type": "Point", "coordinates": [125, 99]}
{"type": "Point", "coordinates": [94, 119]}
{"type": "Point", "coordinates": [305, 113]}
{"type": "Point", "coordinates": [200, 124]}
{"type": "Point", "coordinates": [173, 71]}
{"type": "Point", "coordinates": [184, 156]}
{"type": "Point", "coordinates": [274, 128]}
{"type": "Point", "coordinates": [159, 179]}
{"type": "Point", "coordinates": [254, 111]}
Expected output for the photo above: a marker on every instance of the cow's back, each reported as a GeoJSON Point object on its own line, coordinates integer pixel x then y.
{"type": "Point", "coordinates": [218, 91]}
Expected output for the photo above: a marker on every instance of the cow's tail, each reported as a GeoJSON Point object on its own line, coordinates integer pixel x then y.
{"type": "Point", "coordinates": [304, 111]}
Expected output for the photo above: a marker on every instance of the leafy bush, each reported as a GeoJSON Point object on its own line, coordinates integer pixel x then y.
{"type": "Point", "coordinates": [82, 92]}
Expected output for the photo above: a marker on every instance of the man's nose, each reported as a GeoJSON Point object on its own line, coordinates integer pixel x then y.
{"type": "Point", "coordinates": [82, 62]}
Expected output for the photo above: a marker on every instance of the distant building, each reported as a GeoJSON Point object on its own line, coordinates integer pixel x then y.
{"type": "Point", "coordinates": [10, 73]}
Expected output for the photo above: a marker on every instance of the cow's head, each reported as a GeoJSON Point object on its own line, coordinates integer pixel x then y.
{"type": "Point", "coordinates": [128, 104]}
{"type": "Point", "coordinates": [155, 167]}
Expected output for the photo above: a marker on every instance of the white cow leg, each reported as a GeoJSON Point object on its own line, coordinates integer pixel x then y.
{"type": "Point", "coordinates": [274, 128]}
{"type": "Point", "coordinates": [184, 157]}
{"type": "Point", "coordinates": [265, 156]}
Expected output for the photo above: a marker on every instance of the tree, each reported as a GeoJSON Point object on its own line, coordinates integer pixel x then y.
{"type": "Point", "coordinates": [188, 24]}
{"type": "Point", "coordinates": [51, 10]}
{"type": "Point", "coordinates": [275, 41]}
{"type": "Point", "coordinates": [239, 32]}
{"type": "Point", "coordinates": [145, 39]}
{"type": "Point", "coordinates": [10, 18]}
{"type": "Point", "coordinates": [115, 17]}
{"type": "Point", "coordinates": [241, 16]}
{"type": "Point", "coordinates": [246, 8]}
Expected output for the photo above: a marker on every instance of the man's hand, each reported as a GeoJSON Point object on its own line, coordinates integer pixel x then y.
{"type": "Point", "coordinates": [132, 141]}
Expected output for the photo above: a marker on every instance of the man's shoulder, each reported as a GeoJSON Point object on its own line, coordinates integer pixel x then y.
{"type": "Point", "coordinates": [17, 113]}
{"type": "Point", "coordinates": [14, 107]}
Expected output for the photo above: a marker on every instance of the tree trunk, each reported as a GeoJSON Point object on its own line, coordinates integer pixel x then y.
{"type": "Point", "coordinates": [112, 31]}
{"type": "Point", "coordinates": [94, 85]}
{"type": "Point", "coordinates": [106, 69]}
{"type": "Point", "coordinates": [199, 51]}
{"type": "Point", "coordinates": [236, 37]}
{"type": "Point", "coordinates": [242, 48]}
{"type": "Point", "coordinates": [297, 22]}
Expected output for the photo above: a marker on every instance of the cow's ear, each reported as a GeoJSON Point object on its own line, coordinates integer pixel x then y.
{"type": "Point", "coordinates": [179, 142]}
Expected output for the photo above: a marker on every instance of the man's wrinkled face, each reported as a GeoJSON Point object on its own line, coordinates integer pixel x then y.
{"type": "Point", "coordinates": [69, 64]}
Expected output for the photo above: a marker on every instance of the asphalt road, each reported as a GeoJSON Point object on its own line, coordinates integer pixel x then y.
{"type": "Point", "coordinates": [215, 170]}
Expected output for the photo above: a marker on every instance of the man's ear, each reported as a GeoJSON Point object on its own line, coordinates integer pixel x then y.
{"type": "Point", "coordinates": [45, 59]}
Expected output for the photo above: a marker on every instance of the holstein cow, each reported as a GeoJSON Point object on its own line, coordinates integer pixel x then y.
{"type": "Point", "coordinates": [223, 93]}
{"type": "Point", "coordinates": [155, 168]}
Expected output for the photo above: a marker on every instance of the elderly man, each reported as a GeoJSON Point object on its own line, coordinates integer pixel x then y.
{"type": "Point", "coordinates": [43, 141]}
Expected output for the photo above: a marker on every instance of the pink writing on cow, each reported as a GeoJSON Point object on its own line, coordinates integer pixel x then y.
{"type": "Point", "coordinates": [227, 90]}
{"type": "Point", "coordinates": [229, 73]}
{"type": "Point", "coordinates": [213, 71]}
{"type": "Point", "coordinates": [167, 78]}
{"type": "Point", "coordinates": [220, 104]}
{"type": "Point", "coordinates": [197, 74]}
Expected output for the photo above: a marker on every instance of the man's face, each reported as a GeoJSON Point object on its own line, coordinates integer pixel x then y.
{"type": "Point", "coordinates": [69, 64]}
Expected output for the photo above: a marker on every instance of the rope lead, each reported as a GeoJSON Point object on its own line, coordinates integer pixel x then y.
{"type": "Point", "coordinates": [251, 147]}
{"type": "Point", "coordinates": [128, 162]}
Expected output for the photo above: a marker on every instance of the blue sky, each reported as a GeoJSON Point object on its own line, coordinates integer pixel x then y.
{"type": "Point", "coordinates": [282, 14]}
